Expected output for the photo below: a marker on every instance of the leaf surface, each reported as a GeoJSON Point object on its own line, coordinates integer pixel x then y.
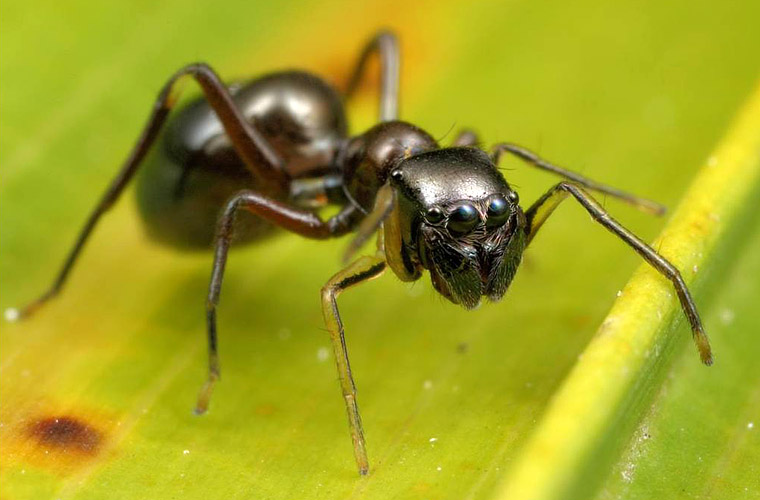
{"type": "Point", "coordinates": [631, 94]}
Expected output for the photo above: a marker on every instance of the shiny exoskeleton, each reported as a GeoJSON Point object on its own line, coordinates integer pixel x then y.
{"type": "Point", "coordinates": [269, 153]}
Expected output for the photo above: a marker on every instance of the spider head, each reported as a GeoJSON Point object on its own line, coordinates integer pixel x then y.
{"type": "Point", "coordinates": [459, 219]}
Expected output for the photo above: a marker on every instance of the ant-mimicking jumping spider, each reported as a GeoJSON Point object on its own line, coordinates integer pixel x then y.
{"type": "Point", "coordinates": [271, 152]}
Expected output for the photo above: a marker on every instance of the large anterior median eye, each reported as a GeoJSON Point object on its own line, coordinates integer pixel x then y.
{"type": "Point", "coordinates": [498, 211]}
{"type": "Point", "coordinates": [463, 219]}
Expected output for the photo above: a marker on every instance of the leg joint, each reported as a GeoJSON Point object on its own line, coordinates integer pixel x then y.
{"type": "Point", "coordinates": [328, 293]}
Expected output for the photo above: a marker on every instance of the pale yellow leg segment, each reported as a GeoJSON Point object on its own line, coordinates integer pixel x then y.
{"type": "Point", "coordinates": [361, 270]}
{"type": "Point", "coordinates": [204, 397]}
{"type": "Point", "coordinates": [384, 202]}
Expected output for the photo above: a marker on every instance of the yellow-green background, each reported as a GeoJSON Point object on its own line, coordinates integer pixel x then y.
{"type": "Point", "coordinates": [634, 93]}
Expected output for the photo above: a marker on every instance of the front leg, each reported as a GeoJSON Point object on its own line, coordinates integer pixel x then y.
{"type": "Point", "coordinates": [537, 214]}
{"type": "Point", "coordinates": [361, 270]}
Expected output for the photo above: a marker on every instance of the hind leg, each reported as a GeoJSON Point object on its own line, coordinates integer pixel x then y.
{"type": "Point", "coordinates": [258, 155]}
{"type": "Point", "coordinates": [385, 44]}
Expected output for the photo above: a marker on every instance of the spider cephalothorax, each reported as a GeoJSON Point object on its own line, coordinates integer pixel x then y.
{"type": "Point", "coordinates": [462, 222]}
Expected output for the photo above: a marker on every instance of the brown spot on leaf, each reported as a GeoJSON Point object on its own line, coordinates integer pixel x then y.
{"type": "Point", "coordinates": [60, 440]}
{"type": "Point", "coordinates": [581, 320]}
{"type": "Point", "coordinates": [265, 410]}
{"type": "Point", "coordinates": [65, 434]}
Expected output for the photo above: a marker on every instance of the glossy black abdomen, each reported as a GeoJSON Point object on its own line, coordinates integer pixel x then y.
{"type": "Point", "coordinates": [193, 169]}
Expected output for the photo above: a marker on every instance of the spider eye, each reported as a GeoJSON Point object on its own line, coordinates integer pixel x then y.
{"type": "Point", "coordinates": [463, 219]}
{"type": "Point", "coordinates": [498, 211]}
{"type": "Point", "coordinates": [434, 215]}
{"type": "Point", "coordinates": [513, 197]}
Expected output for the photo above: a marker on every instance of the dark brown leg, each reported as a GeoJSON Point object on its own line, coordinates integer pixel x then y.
{"type": "Point", "coordinates": [298, 221]}
{"type": "Point", "coordinates": [534, 160]}
{"type": "Point", "coordinates": [543, 208]}
{"type": "Point", "coordinates": [385, 44]}
{"type": "Point", "coordinates": [466, 137]}
{"type": "Point", "coordinates": [252, 147]}
{"type": "Point", "coordinates": [363, 269]}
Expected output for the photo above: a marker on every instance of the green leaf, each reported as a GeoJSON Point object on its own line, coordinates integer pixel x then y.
{"type": "Point", "coordinates": [454, 403]}
{"type": "Point", "coordinates": [700, 438]}
{"type": "Point", "coordinates": [608, 389]}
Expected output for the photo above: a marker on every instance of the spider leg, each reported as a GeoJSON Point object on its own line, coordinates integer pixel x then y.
{"type": "Point", "coordinates": [361, 270]}
{"type": "Point", "coordinates": [537, 214]}
{"type": "Point", "coordinates": [260, 158]}
{"type": "Point", "coordinates": [296, 220]}
{"type": "Point", "coordinates": [385, 44]}
{"type": "Point", "coordinates": [372, 222]}
{"type": "Point", "coordinates": [533, 159]}
{"type": "Point", "coordinates": [466, 137]}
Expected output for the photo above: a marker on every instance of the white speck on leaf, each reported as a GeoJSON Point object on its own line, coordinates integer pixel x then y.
{"type": "Point", "coordinates": [750, 425]}
{"type": "Point", "coordinates": [427, 385]}
{"type": "Point", "coordinates": [11, 314]}
{"type": "Point", "coordinates": [322, 354]}
{"type": "Point", "coordinates": [185, 452]}
{"type": "Point", "coordinates": [433, 440]}
{"type": "Point", "coordinates": [627, 473]}
{"type": "Point", "coordinates": [726, 316]}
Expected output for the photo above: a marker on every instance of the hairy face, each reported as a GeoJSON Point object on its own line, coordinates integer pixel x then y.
{"type": "Point", "coordinates": [460, 220]}
{"type": "Point", "coordinates": [472, 248]}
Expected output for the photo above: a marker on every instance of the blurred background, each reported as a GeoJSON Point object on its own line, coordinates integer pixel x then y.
{"type": "Point", "coordinates": [633, 93]}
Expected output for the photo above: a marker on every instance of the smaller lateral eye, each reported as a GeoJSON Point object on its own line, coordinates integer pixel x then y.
{"type": "Point", "coordinates": [434, 215]}
{"type": "Point", "coordinates": [498, 211]}
{"type": "Point", "coordinates": [463, 219]}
